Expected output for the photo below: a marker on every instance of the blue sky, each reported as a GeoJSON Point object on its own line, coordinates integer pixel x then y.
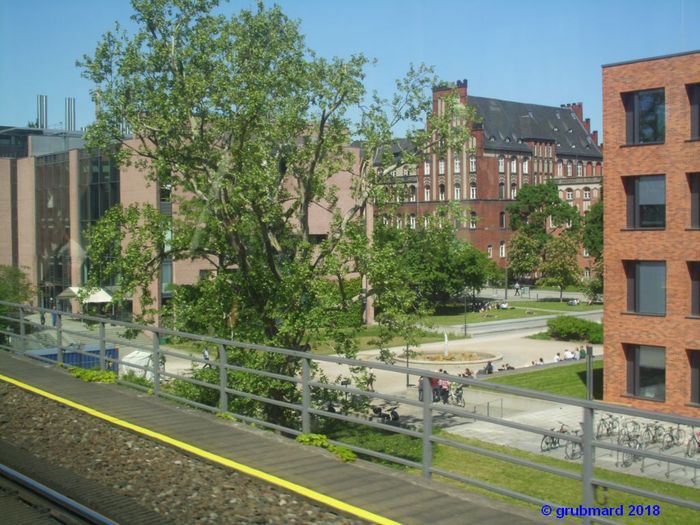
{"type": "Point", "coordinates": [545, 51]}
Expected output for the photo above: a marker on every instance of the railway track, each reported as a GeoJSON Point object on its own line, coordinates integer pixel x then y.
{"type": "Point", "coordinates": [36, 492]}
{"type": "Point", "coordinates": [26, 501]}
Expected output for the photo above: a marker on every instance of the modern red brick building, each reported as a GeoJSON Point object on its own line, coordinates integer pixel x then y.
{"type": "Point", "coordinates": [515, 144]}
{"type": "Point", "coordinates": [651, 114]}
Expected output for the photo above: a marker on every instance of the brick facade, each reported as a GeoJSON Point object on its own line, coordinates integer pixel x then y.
{"type": "Point", "coordinates": [676, 244]}
{"type": "Point", "coordinates": [512, 163]}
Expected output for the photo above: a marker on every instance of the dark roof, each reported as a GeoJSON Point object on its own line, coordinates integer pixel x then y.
{"type": "Point", "coordinates": [507, 125]}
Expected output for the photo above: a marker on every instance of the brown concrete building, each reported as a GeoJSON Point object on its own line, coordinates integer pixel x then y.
{"type": "Point", "coordinates": [651, 114]}
{"type": "Point", "coordinates": [515, 144]}
{"type": "Point", "coordinates": [51, 190]}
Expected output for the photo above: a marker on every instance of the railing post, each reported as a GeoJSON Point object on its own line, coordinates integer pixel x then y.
{"type": "Point", "coordinates": [223, 380]}
{"type": "Point", "coordinates": [103, 345]}
{"type": "Point", "coordinates": [22, 331]}
{"type": "Point", "coordinates": [155, 360]}
{"type": "Point", "coordinates": [588, 460]}
{"type": "Point", "coordinates": [427, 460]}
{"type": "Point", "coordinates": [305, 396]}
{"type": "Point", "coordinates": [59, 338]}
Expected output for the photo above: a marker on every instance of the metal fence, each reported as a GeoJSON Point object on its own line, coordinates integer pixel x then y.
{"type": "Point", "coordinates": [604, 439]}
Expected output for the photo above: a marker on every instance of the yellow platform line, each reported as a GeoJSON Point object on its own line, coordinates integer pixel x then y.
{"type": "Point", "coordinates": [275, 480]}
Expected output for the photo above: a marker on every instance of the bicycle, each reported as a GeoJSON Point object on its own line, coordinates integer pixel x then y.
{"type": "Point", "coordinates": [551, 442]}
{"type": "Point", "coordinates": [673, 436]}
{"type": "Point", "coordinates": [573, 449]}
{"type": "Point", "coordinates": [633, 444]}
{"type": "Point", "coordinates": [607, 426]}
{"type": "Point", "coordinates": [457, 396]}
{"type": "Point", "coordinates": [653, 433]}
{"type": "Point", "coordinates": [693, 445]}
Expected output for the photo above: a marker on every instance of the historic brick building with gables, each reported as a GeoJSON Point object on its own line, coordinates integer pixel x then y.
{"type": "Point", "coordinates": [651, 120]}
{"type": "Point", "coordinates": [514, 144]}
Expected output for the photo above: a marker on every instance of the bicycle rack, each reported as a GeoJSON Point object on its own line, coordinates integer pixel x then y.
{"type": "Point", "coordinates": [669, 470]}
{"type": "Point", "coordinates": [648, 462]}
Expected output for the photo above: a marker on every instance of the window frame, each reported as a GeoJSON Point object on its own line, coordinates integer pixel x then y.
{"type": "Point", "coordinates": [633, 193]}
{"type": "Point", "coordinates": [634, 358]}
{"type": "Point", "coordinates": [638, 291]}
{"type": "Point", "coordinates": [694, 191]}
{"type": "Point", "coordinates": [694, 102]}
{"type": "Point", "coordinates": [634, 117]}
{"type": "Point", "coordinates": [694, 275]}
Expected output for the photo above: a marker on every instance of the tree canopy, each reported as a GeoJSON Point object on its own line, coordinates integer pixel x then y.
{"type": "Point", "coordinates": [246, 126]}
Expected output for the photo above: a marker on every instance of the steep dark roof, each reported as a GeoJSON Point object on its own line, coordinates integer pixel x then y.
{"type": "Point", "coordinates": [507, 125]}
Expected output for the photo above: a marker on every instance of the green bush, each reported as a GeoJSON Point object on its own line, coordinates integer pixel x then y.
{"type": "Point", "coordinates": [565, 328]}
{"type": "Point", "coordinates": [319, 440]}
{"type": "Point", "coordinates": [387, 442]}
{"type": "Point", "coordinates": [93, 376]}
{"type": "Point", "coordinates": [133, 377]}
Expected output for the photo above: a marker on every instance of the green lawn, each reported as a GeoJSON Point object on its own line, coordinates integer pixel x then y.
{"type": "Point", "coordinates": [367, 336]}
{"type": "Point", "coordinates": [565, 380]}
{"type": "Point", "coordinates": [549, 487]}
{"type": "Point", "coordinates": [454, 314]}
{"type": "Point", "coordinates": [562, 491]}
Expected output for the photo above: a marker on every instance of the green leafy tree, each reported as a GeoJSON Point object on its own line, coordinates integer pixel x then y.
{"type": "Point", "coordinates": [524, 255]}
{"type": "Point", "coordinates": [593, 231]}
{"type": "Point", "coordinates": [246, 125]}
{"type": "Point", "coordinates": [593, 242]}
{"type": "Point", "coordinates": [533, 206]}
{"type": "Point", "coordinates": [560, 265]}
{"type": "Point", "coordinates": [14, 285]}
{"type": "Point", "coordinates": [14, 288]}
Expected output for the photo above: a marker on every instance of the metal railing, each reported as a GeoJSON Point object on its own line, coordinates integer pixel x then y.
{"type": "Point", "coordinates": [422, 420]}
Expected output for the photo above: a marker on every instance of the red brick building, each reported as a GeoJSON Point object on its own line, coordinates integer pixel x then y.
{"type": "Point", "coordinates": [514, 144]}
{"type": "Point", "coordinates": [651, 114]}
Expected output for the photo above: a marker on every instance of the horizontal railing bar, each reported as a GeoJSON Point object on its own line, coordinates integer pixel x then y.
{"type": "Point", "coordinates": [676, 460]}
{"type": "Point", "coordinates": [375, 454]}
{"type": "Point", "coordinates": [507, 458]}
{"type": "Point", "coordinates": [596, 405]}
{"type": "Point", "coordinates": [365, 393]}
{"type": "Point", "coordinates": [188, 401]}
{"type": "Point", "coordinates": [262, 373]}
{"type": "Point", "coordinates": [366, 422]}
{"type": "Point", "coordinates": [488, 486]}
{"type": "Point", "coordinates": [262, 423]}
{"type": "Point", "coordinates": [646, 494]}
{"type": "Point", "coordinates": [262, 399]}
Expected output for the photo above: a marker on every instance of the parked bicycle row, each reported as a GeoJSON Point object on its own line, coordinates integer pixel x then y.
{"type": "Point", "coordinates": [641, 435]}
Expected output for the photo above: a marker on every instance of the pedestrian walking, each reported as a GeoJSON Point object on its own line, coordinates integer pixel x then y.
{"type": "Point", "coordinates": [205, 356]}
{"type": "Point", "coordinates": [517, 288]}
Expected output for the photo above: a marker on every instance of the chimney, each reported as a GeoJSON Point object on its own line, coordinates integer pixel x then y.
{"type": "Point", "coordinates": [594, 135]}
{"type": "Point", "coordinates": [442, 89]}
{"type": "Point", "coordinates": [42, 109]}
{"type": "Point", "coordinates": [577, 107]}
{"type": "Point", "coordinates": [587, 125]}
{"type": "Point", "coordinates": [70, 114]}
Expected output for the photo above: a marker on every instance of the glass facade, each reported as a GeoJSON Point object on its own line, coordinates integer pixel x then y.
{"type": "Point", "coordinates": [53, 226]}
{"type": "Point", "coordinates": [98, 189]}
{"type": "Point", "coordinates": [646, 371]}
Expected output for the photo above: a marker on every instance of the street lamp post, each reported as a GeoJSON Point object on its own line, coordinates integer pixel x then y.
{"type": "Point", "coordinates": [465, 312]}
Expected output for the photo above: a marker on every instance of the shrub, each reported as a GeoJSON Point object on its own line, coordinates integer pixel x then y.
{"type": "Point", "coordinates": [319, 440]}
{"type": "Point", "coordinates": [93, 376]}
{"type": "Point", "coordinates": [565, 328]}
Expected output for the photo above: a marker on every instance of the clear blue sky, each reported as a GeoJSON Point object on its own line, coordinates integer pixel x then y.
{"type": "Point", "coordinates": [546, 51]}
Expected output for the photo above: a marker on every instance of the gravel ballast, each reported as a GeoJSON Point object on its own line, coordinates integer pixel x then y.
{"type": "Point", "coordinates": [182, 489]}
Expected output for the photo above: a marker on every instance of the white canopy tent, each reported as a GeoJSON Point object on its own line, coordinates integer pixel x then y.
{"type": "Point", "coordinates": [97, 296]}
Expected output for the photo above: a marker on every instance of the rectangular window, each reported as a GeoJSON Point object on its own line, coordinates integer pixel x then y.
{"type": "Point", "coordinates": [458, 165]}
{"type": "Point", "coordinates": [694, 98]}
{"type": "Point", "coordinates": [646, 201]}
{"type": "Point", "coordinates": [472, 191]}
{"type": "Point", "coordinates": [694, 187]}
{"type": "Point", "coordinates": [441, 167]}
{"type": "Point", "coordinates": [646, 287]}
{"type": "Point", "coordinates": [646, 371]}
{"type": "Point", "coordinates": [426, 168]}
{"type": "Point", "coordinates": [694, 358]}
{"type": "Point", "coordinates": [694, 271]}
{"type": "Point", "coordinates": [646, 116]}
{"type": "Point", "coordinates": [489, 251]}
{"type": "Point", "coordinates": [472, 164]}
{"type": "Point", "coordinates": [458, 192]}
